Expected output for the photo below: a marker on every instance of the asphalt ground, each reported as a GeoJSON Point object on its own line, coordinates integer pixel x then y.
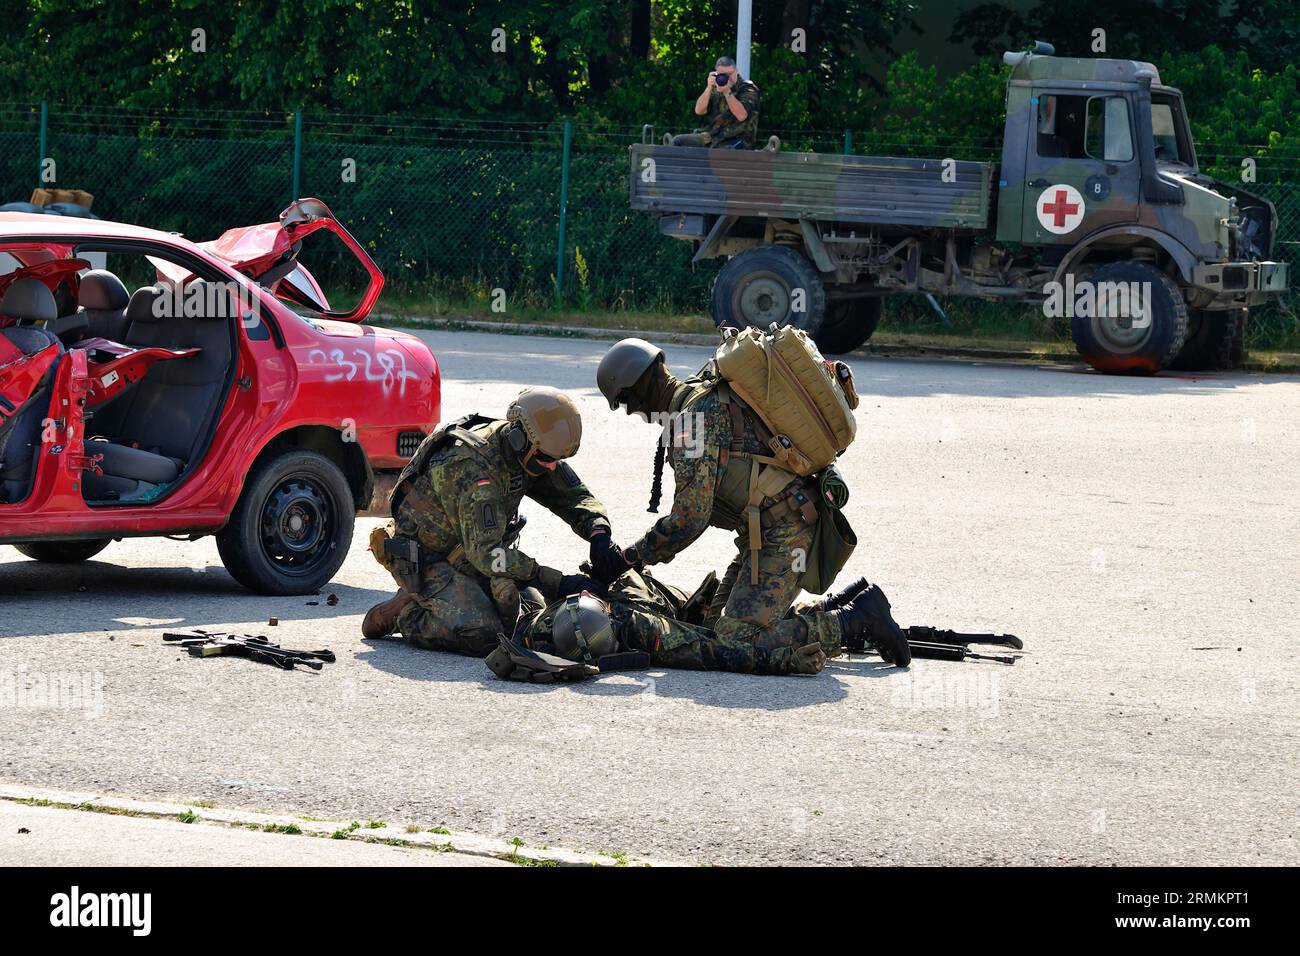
{"type": "Point", "coordinates": [1140, 535]}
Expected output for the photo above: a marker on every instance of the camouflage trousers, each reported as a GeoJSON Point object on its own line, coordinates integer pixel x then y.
{"type": "Point", "coordinates": [763, 615]}
{"type": "Point", "coordinates": [452, 611]}
{"type": "Point", "coordinates": [647, 616]}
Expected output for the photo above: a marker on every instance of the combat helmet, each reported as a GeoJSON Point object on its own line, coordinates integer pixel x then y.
{"type": "Point", "coordinates": [545, 424]}
{"type": "Point", "coordinates": [582, 630]}
{"type": "Point", "coordinates": [622, 365]}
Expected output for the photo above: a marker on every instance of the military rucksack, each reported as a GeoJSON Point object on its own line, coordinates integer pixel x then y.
{"type": "Point", "coordinates": [805, 403]}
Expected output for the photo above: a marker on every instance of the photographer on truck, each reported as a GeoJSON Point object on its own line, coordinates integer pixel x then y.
{"type": "Point", "coordinates": [730, 102]}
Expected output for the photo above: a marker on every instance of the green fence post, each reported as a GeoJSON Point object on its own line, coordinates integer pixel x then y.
{"type": "Point", "coordinates": [848, 142]}
{"type": "Point", "coordinates": [297, 154]}
{"type": "Point", "coordinates": [40, 160]}
{"type": "Point", "coordinates": [564, 211]}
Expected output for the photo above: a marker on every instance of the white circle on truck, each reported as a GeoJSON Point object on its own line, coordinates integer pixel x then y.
{"type": "Point", "coordinates": [1060, 208]}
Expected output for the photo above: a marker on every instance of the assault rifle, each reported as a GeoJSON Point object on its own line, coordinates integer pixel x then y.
{"type": "Point", "coordinates": [944, 645]}
{"type": "Point", "coordinates": [254, 647]}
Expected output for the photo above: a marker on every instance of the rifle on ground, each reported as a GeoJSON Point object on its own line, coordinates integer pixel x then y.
{"type": "Point", "coordinates": [944, 645]}
{"type": "Point", "coordinates": [254, 647]}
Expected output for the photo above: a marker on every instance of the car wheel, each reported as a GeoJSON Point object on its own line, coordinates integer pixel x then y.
{"type": "Point", "coordinates": [1112, 339]}
{"type": "Point", "coordinates": [62, 552]}
{"type": "Point", "coordinates": [1212, 339]}
{"type": "Point", "coordinates": [292, 526]}
{"type": "Point", "coordinates": [848, 324]}
{"type": "Point", "coordinates": [767, 284]}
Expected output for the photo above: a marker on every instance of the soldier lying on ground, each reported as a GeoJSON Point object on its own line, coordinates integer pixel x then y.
{"type": "Point", "coordinates": [454, 510]}
{"type": "Point", "coordinates": [712, 475]}
{"type": "Point", "coordinates": [642, 614]}
{"type": "Point", "coordinates": [730, 103]}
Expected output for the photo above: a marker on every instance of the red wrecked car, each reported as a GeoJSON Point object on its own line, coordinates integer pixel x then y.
{"type": "Point", "coordinates": [150, 385]}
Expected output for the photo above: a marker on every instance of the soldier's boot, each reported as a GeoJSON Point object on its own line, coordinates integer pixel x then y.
{"type": "Point", "coordinates": [833, 602]}
{"type": "Point", "coordinates": [866, 620]}
{"type": "Point", "coordinates": [381, 620]}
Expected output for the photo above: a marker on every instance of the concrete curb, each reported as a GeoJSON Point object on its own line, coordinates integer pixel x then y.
{"type": "Point", "coordinates": [708, 341]}
{"type": "Point", "coordinates": [394, 835]}
{"type": "Point", "coordinates": [882, 349]}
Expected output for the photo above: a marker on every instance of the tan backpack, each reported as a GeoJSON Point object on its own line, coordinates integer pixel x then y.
{"type": "Point", "coordinates": [805, 403]}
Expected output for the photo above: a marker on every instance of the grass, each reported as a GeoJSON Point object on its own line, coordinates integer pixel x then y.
{"type": "Point", "coordinates": [291, 829]}
{"type": "Point", "coordinates": [189, 816]}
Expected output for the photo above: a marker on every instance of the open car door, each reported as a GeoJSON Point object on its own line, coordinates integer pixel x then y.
{"type": "Point", "coordinates": [268, 254]}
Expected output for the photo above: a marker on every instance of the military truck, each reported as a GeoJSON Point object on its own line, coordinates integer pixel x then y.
{"type": "Point", "coordinates": [1097, 194]}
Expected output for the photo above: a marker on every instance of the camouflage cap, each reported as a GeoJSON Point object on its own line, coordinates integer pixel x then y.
{"type": "Point", "coordinates": [550, 419]}
{"type": "Point", "coordinates": [623, 364]}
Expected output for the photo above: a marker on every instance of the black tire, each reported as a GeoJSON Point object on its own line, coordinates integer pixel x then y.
{"type": "Point", "coordinates": [292, 527]}
{"type": "Point", "coordinates": [62, 552]}
{"type": "Point", "coordinates": [848, 324]}
{"type": "Point", "coordinates": [1213, 340]}
{"type": "Point", "coordinates": [758, 287]}
{"type": "Point", "coordinates": [1116, 344]}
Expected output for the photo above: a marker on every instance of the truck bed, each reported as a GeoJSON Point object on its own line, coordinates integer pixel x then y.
{"type": "Point", "coordinates": [871, 190]}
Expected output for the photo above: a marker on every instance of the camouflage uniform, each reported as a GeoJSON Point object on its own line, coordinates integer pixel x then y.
{"type": "Point", "coordinates": [457, 503]}
{"type": "Point", "coordinates": [724, 130]}
{"type": "Point", "coordinates": [647, 616]}
{"type": "Point", "coordinates": [743, 612]}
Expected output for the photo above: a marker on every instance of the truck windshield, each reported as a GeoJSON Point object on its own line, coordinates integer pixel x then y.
{"type": "Point", "coordinates": [1166, 127]}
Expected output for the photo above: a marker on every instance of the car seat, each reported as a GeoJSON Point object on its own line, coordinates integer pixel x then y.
{"type": "Point", "coordinates": [161, 424]}
{"type": "Point", "coordinates": [20, 435]}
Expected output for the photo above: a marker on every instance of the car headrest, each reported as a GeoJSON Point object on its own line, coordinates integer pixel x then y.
{"type": "Point", "coordinates": [102, 291]}
{"type": "Point", "coordinates": [140, 308]}
{"type": "Point", "coordinates": [215, 298]}
{"type": "Point", "coordinates": [29, 299]}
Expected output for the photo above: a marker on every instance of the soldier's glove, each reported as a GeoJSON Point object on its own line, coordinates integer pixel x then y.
{"type": "Point", "coordinates": [809, 659]}
{"type": "Point", "coordinates": [607, 561]}
{"type": "Point", "coordinates": [573, 583]}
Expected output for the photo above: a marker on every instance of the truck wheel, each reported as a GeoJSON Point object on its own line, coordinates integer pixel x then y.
{"type": "Point", "coordinates": [62, 552]}
{"type": "Point", "coordinates": [766, 284]}
{"type": "Point", "coordinates": [1212, 340]}
{"type": "Point", "coordinates": [848, 324]}
{"type": "Point", "coordinates": [1117, 343]}
{"type": "Point", "coordinates": [292, 526]}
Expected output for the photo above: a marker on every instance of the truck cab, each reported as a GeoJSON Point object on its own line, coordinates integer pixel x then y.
{"type": "Point", "coordinates": [1098, 155]}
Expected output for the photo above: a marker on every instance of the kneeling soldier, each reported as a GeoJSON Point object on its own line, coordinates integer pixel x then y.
{"type": "Point", "coordinates": [455, 515]}
{"type": "Point", "coordinates": [713, 478]}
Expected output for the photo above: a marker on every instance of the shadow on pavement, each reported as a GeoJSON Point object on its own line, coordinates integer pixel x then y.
{"type": "Point", "coordinates": [98, 596]}
{"type": "Point", "coordinates": [710, 688]}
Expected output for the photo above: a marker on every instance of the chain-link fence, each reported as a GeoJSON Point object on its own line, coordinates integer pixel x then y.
{"type": "Point", "coordinates": [459, 208]}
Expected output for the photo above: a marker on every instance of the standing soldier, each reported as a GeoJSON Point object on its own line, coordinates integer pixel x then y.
{"type": "Point", "coordinates": [455, 518]}
{"type": "Point", "coordinates": [712, 476]}
{"type": "Point", "coordinates": [730, 104]}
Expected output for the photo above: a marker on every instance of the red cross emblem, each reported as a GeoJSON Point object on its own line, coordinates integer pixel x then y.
{"type": "Point", "coordinates": [1060, 208]}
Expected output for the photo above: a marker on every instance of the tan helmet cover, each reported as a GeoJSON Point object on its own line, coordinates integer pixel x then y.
{"type": "Point", "coordinates": [550, 419]}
